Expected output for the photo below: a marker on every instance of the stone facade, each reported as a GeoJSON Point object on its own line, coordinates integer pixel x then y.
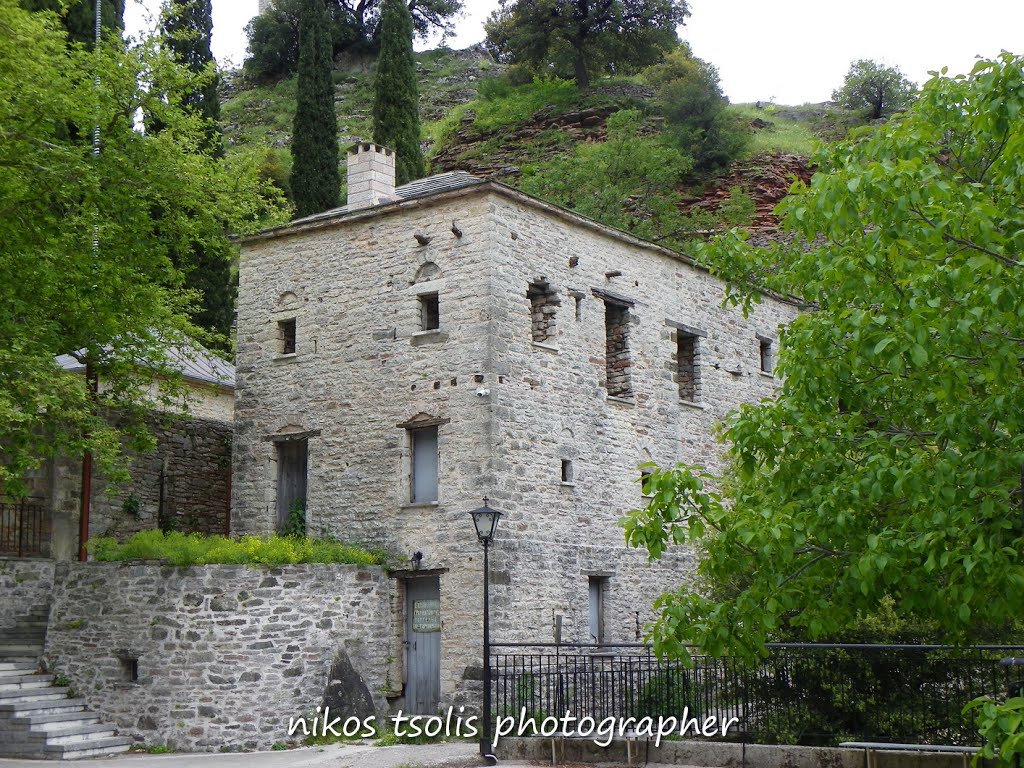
{"type": "Point", "coordinates": [25, 585]}
{"type": "Point", "coordinates": [551, 431]}
{"type": "Point", "coordinates": [184, 484]}
{"type": "Point", "coordinates": [218, 656]}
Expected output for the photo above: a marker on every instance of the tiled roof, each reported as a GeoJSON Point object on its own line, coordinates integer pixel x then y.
{"type": "Point", "coordinates": [442, 182]}
{"type": "Point", "coordinates": [196, 364]}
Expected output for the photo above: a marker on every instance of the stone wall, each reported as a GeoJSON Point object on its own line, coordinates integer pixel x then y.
{"type": "Point", "coordinates": [510, 410]}
{"type": "Point", "coordinates": [25, 586]}
{"type": "Point", "coordinates": [185, 484]}
{"type": "Point", "coordinates": [223, 655]}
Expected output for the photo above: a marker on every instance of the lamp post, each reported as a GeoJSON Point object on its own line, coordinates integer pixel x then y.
{"type": "Point", "coordinates": [485, 520]}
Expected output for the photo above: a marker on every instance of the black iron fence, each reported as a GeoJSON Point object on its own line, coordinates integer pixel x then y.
{"type": "Point", "coordinates": [24, 528]}
{"type": "Point", "coordinates": [800, 694]}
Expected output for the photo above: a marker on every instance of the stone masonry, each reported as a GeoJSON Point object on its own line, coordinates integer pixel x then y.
{"type": "Point", "coordinates": [219, 656]}
{"type": "Point", "coordinates": [184, 484]}
{"type": "Point", "coordinates": [513, 415]}
{"type": "Point", "coordinates": [25, 585]}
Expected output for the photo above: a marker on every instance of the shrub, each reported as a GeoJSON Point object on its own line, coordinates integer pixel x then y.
{"type": "Point", "coordinates": [194, 549]}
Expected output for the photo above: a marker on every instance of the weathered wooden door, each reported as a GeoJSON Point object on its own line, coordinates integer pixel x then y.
{"type": "Point", "coordinates": [423, 645]}
{"type": "Point", "coordinates": [292, 460]}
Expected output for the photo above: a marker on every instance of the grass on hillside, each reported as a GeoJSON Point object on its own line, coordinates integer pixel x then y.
{"type": "Point", "coordinates": [782, 135]}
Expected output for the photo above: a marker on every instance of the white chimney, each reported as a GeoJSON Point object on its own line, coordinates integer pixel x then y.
{"type": "Point", "coordinates": [371, 175]}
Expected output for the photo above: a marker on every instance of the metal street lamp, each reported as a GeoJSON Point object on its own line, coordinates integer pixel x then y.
{"type": "Point", "coordinates": [485, 520]}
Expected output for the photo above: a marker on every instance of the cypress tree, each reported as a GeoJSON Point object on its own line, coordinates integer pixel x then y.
{"type": "Point", "coordinates": [396, 108]}
{"type": "Point", "coordinates": [316, 183]}
{"type": "Point", "coordinates": [79, 17]}
{"type": "Point", "coordinates": [188, 28]}
{"type": "Point", "coordinates": [188, 25]}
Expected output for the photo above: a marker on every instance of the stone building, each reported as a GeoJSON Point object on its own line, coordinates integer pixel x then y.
{"type": "Point", "coordinates": [404, 356]}
{"type": "Point", "coordinates": [184, 484]}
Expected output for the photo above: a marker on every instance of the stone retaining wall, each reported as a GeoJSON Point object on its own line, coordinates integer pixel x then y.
{"type": "Point", "coordinates": [223, 655]}
{"type": "Point", "coordinates": [24, 586]}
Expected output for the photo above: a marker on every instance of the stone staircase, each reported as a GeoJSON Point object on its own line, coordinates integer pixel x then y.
{"type": "Point", "coordinates": [37, 719]}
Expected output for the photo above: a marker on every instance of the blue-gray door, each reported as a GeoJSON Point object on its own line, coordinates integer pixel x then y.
{"type": "Point", "coordinates": [423, 643]}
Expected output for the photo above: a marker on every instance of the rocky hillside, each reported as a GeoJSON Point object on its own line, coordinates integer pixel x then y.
{"type": "Point", "coordinates": [474, 121]}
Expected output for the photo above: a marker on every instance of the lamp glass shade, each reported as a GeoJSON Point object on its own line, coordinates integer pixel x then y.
{"type": "Point", "coordinates": [485, 520]}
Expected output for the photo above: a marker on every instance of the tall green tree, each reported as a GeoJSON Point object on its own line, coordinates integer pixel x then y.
{"type": "Point", "coordinates": [188, 27]}
{"type": "Point", "coordinates": [120, 300]}
{"type": "Point", "coordinates": [576, 38]}
{"type": "Point", "coordinates": [316, 183]}
{"type": "Point", "coordinates": [188, 32]}
{"type": "Point", "coordinates": [889, 467]}
{"type": "Point", "coordinates": [396, 104]}
{"type": "Point", "coordinates": [690, 97]}
{"type": "Point", "coordinates": [875, 89]}
{"type": "Point", "coordinates": [355, 25]}
{"type": "Point", "coordinates": [79, 16]}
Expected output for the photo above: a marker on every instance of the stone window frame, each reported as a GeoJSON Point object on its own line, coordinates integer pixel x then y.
{"type": "Point", "coordinates": [544, 300]}
{"type": "Point", "coordinates": [273, 469]}
{"type": "Point", "coordinates": [430, 311]}
{"type": "Point", "coordinates": [287, 336]}
{"type": "Point", "coordinates": [678, 330]}
{"type": "Point", "coordinates": [766, 355]}
{"type": "Point", "coordinates": [420, 422]}
{"type": "Point", "coordinates": [624, 305]}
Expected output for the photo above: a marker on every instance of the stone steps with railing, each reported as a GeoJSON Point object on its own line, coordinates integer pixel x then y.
{"type": "Point", "coordinates": [37, 719]}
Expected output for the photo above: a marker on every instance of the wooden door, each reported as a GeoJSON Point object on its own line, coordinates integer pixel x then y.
{"type": "Point", "coordinates": [423, 644]}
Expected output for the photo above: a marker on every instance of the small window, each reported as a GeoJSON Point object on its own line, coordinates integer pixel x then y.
{"type": "Point", "coordinates": [430, 312]}
{"type": "Point", "coordinates": [424, 465]}
{"type": "Point", "coordinates": [596, 608]}
{"type": "Point", "coordinates": [568, 472]}
{"type": "Point", "coordinates": [767, 361]}
{"type": "Point", "coordinates": [687, 371]}
{"type": "Point", "coordinates": [645, 490]}
{"type": "Point", "coordinates": [543, 304]}
{"type": "Point", "coordinates": [617, 362]}
{"type": "Point", "coordinates": [286, 336]}
{"type": "Point", "coordinates": [130, 667]}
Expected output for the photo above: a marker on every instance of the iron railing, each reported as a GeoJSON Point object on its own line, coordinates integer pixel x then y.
{"type": "Point", "coordinates": [24, 528]}
{"type": "Point", "coordinates": [800, 694]}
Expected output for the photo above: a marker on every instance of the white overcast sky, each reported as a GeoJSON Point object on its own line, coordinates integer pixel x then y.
{"type": "Point", "coordinates": [787, 51]}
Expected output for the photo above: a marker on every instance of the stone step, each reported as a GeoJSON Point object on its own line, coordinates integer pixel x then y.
{"type": "Point", "coordinates": [45, 707]}
{"type": "Point", "coordinates": [23, 632]}
{"type": "Point", "coordinates": [72, 734]}
{"type": "Point", "coordinates": [20, 650]}
{"type": "Point", "coordinates": [94, 748]}
{"type": "Point", "coordinates": [22, 682]}
{"type": "Point", "coordinates": [55, 720]}
{"type": "Point", "coordinates": [17, 668]}
{"type": "Point", "coordinates": [34, 694]}
{"type": "Point", "coordinates": [25, 658]}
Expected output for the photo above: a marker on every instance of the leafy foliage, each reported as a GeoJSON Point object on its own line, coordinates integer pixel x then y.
{"type": "Point", "coordinates": [274, 34]}
{"type": "Point", "coordinates": [576, 38]}
{"type": "Point", "coordinates": [889, 466]}
{"type": "Point", "coordinates": [626, 181]}
{"type": "Point", "coordinates": [188, 30]}
{"type": "Point", "coordinates": [78, 17]}
{"type": "Point", "coordinates": [396, 108]}
{"type": "Point", "coordinates": [194, 549]}
{"type": "Point", "coordinates": [691, 99]}
{"type": "Point", "coordinates": [315, 179]}
{"type": "Point", "coordinates": [119, 301]}
{"type": "Point", "coordinates": [1002, 726]}
{"type": "Point", "coordinates": [879, 90]}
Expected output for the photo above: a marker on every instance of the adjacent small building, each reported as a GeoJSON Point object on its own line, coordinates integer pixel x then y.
{"type": "Point", "coordinates": [421, 348]}
{"type": "Point", "coordinates": [184, 484]}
